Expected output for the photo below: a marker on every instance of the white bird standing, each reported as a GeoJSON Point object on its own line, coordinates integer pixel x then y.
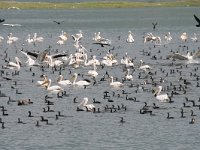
{"type": "Point", "coordinates": [85, 106]}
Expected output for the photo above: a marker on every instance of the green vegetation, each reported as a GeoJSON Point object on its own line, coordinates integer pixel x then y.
{"type": "Point", "coordinates": [111, 4]}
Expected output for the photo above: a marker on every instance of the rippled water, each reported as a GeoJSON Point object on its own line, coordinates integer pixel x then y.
{"type": "Point", "coordinates": [85, 130]}
{"type": "Point", "coordinates": [78, 1]}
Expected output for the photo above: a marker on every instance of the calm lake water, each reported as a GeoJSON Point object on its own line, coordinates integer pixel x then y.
{"type": "Point", "coordinates": [95, 131]}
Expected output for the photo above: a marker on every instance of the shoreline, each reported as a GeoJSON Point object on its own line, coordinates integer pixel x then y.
{"type": "Point", "coordinates": [97, 5]}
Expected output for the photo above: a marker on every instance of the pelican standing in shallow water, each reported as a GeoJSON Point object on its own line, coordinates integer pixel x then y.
{"type": "Point", "coordinates": [85, 106]}
{"type": "Point", "coordinates": [161, 97]}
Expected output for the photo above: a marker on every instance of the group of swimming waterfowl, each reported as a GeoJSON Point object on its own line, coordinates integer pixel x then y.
{"type": "Point", "coordinates": [160, 82]}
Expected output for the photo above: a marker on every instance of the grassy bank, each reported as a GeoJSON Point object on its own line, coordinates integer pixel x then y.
{"type": "Point", "coordinates": [45, 5]}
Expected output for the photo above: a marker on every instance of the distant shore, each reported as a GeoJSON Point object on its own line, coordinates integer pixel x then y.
{"type": "Point", "coordinates": [89, 5]}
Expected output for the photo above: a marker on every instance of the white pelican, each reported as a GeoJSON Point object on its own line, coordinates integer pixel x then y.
{"type": "Point", "coordinates": [161, 97]}
{"type": "Point", "coordinates": [110, 57]}
{"type": "Point", "coordinates": [63, 36]}
{"type": "Point", "coordinates": [29, 40]}
{"type": "Point", "coordinates": [11, 39]}
{"type": "Point", "coordinates": [54, 88]}
{"type": "Point", "coordinates": [128, 76]}
{"type": "Point", "coordinates": [184, 36]}
{"type": "Point", "coordinates": [143, 67]}
{"type": "Point", "coordinates": [30, 61]}
{"type": "Point", "coordinates": [92, 61]}
{"type": "Point", "coordinates": [51, 62]}
{"type": "Point", "coordinates": [63, 82]}
{"type": "Point", "coordinates": [93, 72]}
{"type": "Point", "coordinates": [43, 82]}
{"type": "Point", "coordinates": [80, 82]}
{"type": "Point", "coordinates": [116, 83]}
{"type": "Point", "coordinates": [194, 38]}
{"type": "Point", "coordinates": [14, 65]}
{"type": "Point", "coordinates": [107, 62]}
{"type": "Point", "coordinates": [85, 106]}
{"type": "Point", "coordinates": [190, 58]}
{"type": "Point", "coordinates": [150, 37]}
{"type": "Point", "coordinates": [101, 41]}
{"type": "Point", "coordinates": [97, 36]}
{"type": "Point", "coordinates": [60, 42]}
{"type": "Point", "coordinates": [127, 61]}
{"type": "Point", "coordinates": [168, 37]}
{"type": "Point", "coordinates": [78, 36]}
{"type": "Point", "coordinates": [130, 38]}
{"type": "Point", "coordinates": [37, 39]}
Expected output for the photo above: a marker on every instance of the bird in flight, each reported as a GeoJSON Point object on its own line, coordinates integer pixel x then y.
{"type": "Point", "coordinates": [58, 22]}
{"type": "Point", "coordinates": [2, 20]}
{"type": "Point", "coordinates": [154, 25]}
{"type": "Point", "coordinates": [198, 20]}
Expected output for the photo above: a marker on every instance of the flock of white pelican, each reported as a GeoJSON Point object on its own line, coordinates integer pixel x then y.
{"type": "Point", "coordinates": [135, 74]}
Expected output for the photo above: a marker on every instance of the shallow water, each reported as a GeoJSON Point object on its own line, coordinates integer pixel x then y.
{"type": "Point", "coordinates": [85, 130]}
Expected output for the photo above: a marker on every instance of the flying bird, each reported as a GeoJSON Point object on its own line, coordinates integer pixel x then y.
{"type": "Point", "coordinates": [2, 20]}
{"type": "Point", "coordinates": [58, 22]}
{"type": "Point", "coordinates": [154, 25]}
{"type": "Point", "coordinates": [198, 20]}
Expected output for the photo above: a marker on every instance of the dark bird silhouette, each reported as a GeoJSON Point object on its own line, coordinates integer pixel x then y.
{"type": "Point", "coordinates": [198, 21]}
{"type": "Point", "coordinates": [154, 25]}
{"type": "Point", "coordinates": [58, 22]}
{"type": "Point", "coordinates": [2, 20]}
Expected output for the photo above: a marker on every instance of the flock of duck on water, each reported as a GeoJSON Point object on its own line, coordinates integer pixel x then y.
{"type": "Point", "coordinates": [79, 59]}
